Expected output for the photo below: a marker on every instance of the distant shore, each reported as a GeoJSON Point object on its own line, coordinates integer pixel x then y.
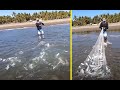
{"type": "Point", "coordinates": [32, 24]}
{"type": "Point", "coordinates": [112, 26]}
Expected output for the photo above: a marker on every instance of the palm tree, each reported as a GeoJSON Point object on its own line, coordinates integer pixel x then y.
{"type": "Point", "coordinates": [14, 14]}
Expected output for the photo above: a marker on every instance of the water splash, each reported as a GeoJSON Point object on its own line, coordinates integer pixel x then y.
{"type": "Point", "coordinates": [57, 55]}
{"type": "Point", "coordinates": [11, 62]}
{"type": "Point", "coordinates": [35, 61]}
{"type": "Point", "coordinates": [65, 51]}
{"type": "Point", "coordinates": [47, 45]}
{"type": "Point", "coordinates": [31, 66]}
{"type": "Point", "coordinates": [60, 61]}
{"type": "Point", "coordinates": [20, 52]}
{"type": "Point", "coordinates": [7, 67]}
{"type": "Point", "coordinates": [0, 59]}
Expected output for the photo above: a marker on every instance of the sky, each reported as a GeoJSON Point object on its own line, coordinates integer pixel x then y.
{"type": "Point", "coordinates": [9, 12]}
{"type": "Point", "coordinates": [92, 13]}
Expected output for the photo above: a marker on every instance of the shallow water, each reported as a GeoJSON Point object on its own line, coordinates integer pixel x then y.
{"type": "Point", "coordinates": [82, 45]}
{"type": "Point", "coordinates": [23, 55]}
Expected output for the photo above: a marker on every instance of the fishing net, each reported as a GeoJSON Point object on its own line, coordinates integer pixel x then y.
{"type": "Point", "coordinates": [95, 64]}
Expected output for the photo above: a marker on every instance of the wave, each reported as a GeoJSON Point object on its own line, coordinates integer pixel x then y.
{"type": "Point", "coordinates": [115, 36]}
{"type": "Point", "coordinates": [16, 28]}
{"type": "Point", "coordinates": [58, 25]}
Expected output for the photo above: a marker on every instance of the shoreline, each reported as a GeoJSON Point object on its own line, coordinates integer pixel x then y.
{"type": "Point", "coordinates": [32, 24]}
{"type": "Point", "coordinates": [90, 28]}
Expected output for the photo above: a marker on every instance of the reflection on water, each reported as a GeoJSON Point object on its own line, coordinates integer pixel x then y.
{"type": "Point", "coordinates": [82, 45]}
{"type": "Point", "coordinates": [23, 55]}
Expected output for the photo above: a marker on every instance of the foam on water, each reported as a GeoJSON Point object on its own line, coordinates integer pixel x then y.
{"type": "Point", "coordinates": [65, 51]}
{"type": "Point", "coordinates": [16, 28]}
{"type": "Point", "coordinates": [20, 52]}
{"type": "Point", "coordinates": [31, 66]}
{"type": "Point", "coordinates": [57, 55]}
{"type": "Point", "coordinates": [58, 25]}
{"type": "Point", "coordinates": [115, 36]}
{"type": "Point", "coordinates": [7, 67]}
{"type": "Point", "coordinates": [0, 59]}
{"type": "Point", "coordinates": [47, 45]}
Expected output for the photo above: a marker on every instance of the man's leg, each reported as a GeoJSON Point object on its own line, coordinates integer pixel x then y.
{"type": "Point", "coordinates": [39, 32]}
{"type": "Point", "coordinates": [42, 33]}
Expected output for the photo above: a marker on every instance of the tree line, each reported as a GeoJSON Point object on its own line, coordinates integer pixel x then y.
{"type": "Point", "coordinates": [84, 20]}
{"type": "Point", "coordinates": [24, 17]}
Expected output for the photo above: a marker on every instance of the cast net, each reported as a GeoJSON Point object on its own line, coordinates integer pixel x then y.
{"type": "Point", "coordinates": [95, 64]}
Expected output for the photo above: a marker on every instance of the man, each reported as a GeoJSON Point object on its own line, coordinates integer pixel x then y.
{"type": "Point", "coordinates": [39, 27]}
{"type": "Point", "coordinates": [104, 25]}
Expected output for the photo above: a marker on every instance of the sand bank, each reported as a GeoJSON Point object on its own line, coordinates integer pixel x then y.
{"type": "Point", "coordinates": [112, 26]}
{"type": "Point", "coordinates": [32, 24]}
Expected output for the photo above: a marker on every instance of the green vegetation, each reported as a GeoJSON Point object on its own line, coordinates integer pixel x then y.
{"type": "Point", "coordinates": [24, 17]}
{"type": "Point", "coordinates": [81, 21]}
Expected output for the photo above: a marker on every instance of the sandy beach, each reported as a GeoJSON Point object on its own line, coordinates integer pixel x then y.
{"type": "Point", "coordinates": [112, 26]}
{"type": "Point", "coordinates": [32, 24]}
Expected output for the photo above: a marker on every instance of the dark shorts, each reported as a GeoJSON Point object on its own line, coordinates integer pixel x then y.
{"type": "Point", "coordinates": [39, 28]}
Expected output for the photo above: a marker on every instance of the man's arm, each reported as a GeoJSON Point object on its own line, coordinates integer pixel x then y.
{"type": "Point", "coordinates": [42, 23]}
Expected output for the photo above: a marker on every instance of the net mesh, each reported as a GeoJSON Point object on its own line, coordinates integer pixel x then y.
{"type": "Point", "coordinates": [95, 64]}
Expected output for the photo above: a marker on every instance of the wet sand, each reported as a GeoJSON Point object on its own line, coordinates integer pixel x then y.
{"type": "Point", "coordinates": [112, 26]}
{"type": "Point", "coordinates": [32, 24]}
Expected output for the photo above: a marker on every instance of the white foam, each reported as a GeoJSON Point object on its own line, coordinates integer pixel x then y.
{"type": "Point", "coordinates": [47, 45]}
{"type": "Point", "coordinates": [42, 54]}
{"type": "Point", "coordinates": [58, 24]}
{"type": "Point", "coordinates": [9, 29]}
{"type": "Point", "coordinates": [16, 28]}
{"type": "Point", "coordinates": [66, 51]}
{"type": "Point", "coordinates": [49, 64]}
{"type": "Point", "coordinates": [31, 66]}
{"type": "Point", "coordinates": [57, 55]}
{"type": "Point", "coordinates": [4, 60]}
{"type": "Point", "coordinates": [20, 52]}
{"type": "Point", "coordinates": [12, 64]}
{"type": "Point", "coordinates": [115, 36]}
{"type": "Point", "coordinates": [0, 59]}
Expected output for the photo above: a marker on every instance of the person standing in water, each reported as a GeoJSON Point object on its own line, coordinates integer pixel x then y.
{"type": "Point", "coordinates": [104, 25]}
{"type": "Point", "coordinates": [39, 24]}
